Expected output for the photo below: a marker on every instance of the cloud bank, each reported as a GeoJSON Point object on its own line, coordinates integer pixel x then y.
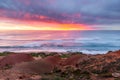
{"type": "Point", "coordinates": [92, 12]}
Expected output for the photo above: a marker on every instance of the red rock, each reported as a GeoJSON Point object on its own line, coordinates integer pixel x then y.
{"type": "Point", "coordinates": [118, 52]}
{"type": "Point", "coordinates": [1, 57]}
{"type": "Point", "coordinates": [54, 60]}
{"type": "Point", "coordinates": [34, 67]}
{"type": "Point", "coordinates": [72, 60]}
{"type": "Point", "coordinates": [15, 58]}
{"type": "Point", "coordinates": [113, 52]}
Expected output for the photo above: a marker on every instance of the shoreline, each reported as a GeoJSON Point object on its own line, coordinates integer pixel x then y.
{"type": "Point", "coordinates": [59, 51]}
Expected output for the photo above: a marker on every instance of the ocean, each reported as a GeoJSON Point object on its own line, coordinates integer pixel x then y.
{"type": "Point", "coordinates": [91, 42]}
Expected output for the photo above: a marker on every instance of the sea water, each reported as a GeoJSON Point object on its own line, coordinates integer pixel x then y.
{"type": "Point", "coordinates": [92, 41]}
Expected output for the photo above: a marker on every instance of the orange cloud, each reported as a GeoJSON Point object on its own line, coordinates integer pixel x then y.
{"type": "Point", "coordinates": [37, 22]}
{"type": "Point", "coordinates": [11, 24]}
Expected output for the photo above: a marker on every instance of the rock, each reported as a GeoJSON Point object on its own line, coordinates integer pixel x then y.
{"type": "Point", "coordinates": [72, 60]}
{"type": "Point", "coordinates": [11, 75]}
{"type": "Point", "coordinates": [37, 77]}
{"type": "Point", "coordinates": [13, 59]}
{"type": "Point", "coordinates": [109, 52]}
{"type": "Point", "coordinates": [116, 75]}
{"type": "Point", "coordinates": [34, 67]}
{"type": "Point", "coordinates": [37, 58]}
{"type": "Point", "coordinates": [117, 51]}
{"type": "Point", "coordinates": [1, 57]}
{"type": "Point", "coordinates": [54, 60]}
{"type": "Point", "coordinates": [114, 52]}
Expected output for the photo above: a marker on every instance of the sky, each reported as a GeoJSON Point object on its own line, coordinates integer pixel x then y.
{"type": "Point", "coordinates": [59, 14]}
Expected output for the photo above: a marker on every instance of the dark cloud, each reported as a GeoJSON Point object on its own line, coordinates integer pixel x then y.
{"type": "Point", "coordinates": [64, 11]}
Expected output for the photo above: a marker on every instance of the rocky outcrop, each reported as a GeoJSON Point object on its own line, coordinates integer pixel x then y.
{"type": "Point", "coordinates": [72, 60]}
{"type": "Point", "coordinates": [68, 67]}
{"type": "Point", "coordinates": [34, 67]}
{"type": "Point", "coordinates": [53, 60]}
{"type": "Point", "coordinates": [13, 59]}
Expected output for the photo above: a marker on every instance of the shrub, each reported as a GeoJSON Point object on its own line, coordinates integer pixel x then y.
{"type": "Point", "coordinates": [5, 53]}
{"type": "Point", "coordinates": [117, 79]}
{"type": "Point", "coordinates": [105, 75]}
{"type": "Point", "coordinates": [65, 55]}
{"type": "Point", "coordinates": [42, 54]}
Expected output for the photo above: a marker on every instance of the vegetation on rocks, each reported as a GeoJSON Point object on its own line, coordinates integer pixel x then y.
{"type": "Point", "coordinates": [69, 66]}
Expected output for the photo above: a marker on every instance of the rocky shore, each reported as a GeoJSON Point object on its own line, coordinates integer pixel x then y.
{"type": "Point", "coordinates": [59, 66]}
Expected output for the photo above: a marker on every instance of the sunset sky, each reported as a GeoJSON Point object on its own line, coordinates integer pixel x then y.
{"type": "Point", "coordinates": [59, 14]}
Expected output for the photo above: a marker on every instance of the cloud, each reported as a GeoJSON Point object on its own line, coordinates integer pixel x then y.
{"type": "Point", "coordinates": [63, 11]}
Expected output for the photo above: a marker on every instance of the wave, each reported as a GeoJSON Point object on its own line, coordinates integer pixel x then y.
{"type": "Point", "coordinates": [65, 44]}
